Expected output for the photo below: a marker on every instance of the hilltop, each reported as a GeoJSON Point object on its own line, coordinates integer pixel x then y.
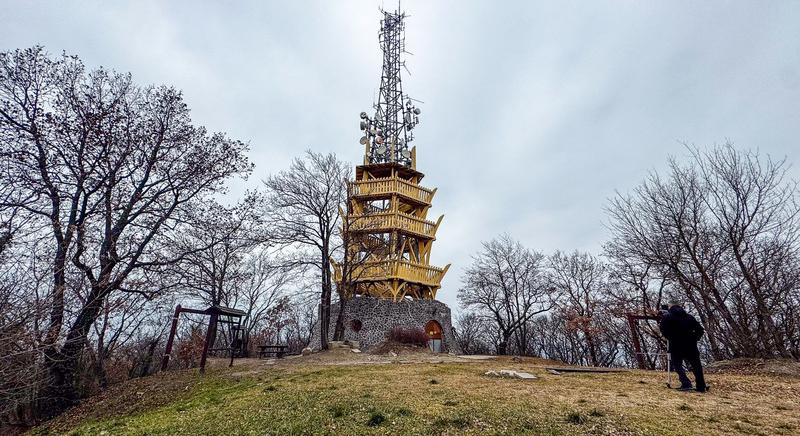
{"type": "Point", "coordinates": [422, 393]}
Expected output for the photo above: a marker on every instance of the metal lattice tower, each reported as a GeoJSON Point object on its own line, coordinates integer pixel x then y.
{"type": "Point", "coordinates": [388, 132]}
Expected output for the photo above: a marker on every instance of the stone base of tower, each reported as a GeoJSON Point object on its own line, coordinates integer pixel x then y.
{"type": "Point", "coordinates": [369, 320]}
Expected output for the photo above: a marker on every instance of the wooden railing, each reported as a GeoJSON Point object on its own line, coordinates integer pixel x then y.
{"type": "Point", "coordinates": [384, 221]}
{"type": "Point", "coordinates": [388, 185]}
{"type": "Point", "coordinates": [396, 269]}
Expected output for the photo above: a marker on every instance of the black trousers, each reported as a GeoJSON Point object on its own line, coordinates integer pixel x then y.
{"type": "Point", "coordinates": [677, 358]}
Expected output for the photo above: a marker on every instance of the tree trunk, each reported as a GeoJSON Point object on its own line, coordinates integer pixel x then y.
{"type": "Point", "coordinates": [142, 368]}
{"type": "Point", "coordinates": [100, 369]}
{"type": "Point", "coordinates": [592, 347]}
{"type": "Point", "coordinates": [324, 322]}
{"type": "Point", "coordinates": [325, 306]}
{"type": "Point", "coordinates": [338, 332]}
{"type": "Point", "coordinates": [502, 347]}
{"type": "Point", "coordinates": [61, 391]}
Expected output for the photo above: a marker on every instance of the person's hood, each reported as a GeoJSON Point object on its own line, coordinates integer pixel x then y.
{"type": "Point", "coordinates": [677, 310]}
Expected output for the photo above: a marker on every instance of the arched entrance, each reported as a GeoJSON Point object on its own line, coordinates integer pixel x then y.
{"type": "Point", "coordinates": [434, 331]}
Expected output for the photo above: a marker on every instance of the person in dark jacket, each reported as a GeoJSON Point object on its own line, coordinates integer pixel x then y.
{"type": "Point", "coordinates": [683, 331]}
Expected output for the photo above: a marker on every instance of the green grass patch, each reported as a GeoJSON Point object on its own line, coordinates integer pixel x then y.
{"type": "Point", "coordinates": [446, 398]}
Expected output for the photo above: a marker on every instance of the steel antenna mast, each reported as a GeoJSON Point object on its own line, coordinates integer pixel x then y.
{"type": "Point", "coordinates": [389, 132]}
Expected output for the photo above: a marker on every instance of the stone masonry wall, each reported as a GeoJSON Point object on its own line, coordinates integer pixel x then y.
{"type": "Point", "coordinates": [379, 316]}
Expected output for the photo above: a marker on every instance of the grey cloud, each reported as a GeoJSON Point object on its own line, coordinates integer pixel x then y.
{"type": "Point", "coordinates": [535, 112]}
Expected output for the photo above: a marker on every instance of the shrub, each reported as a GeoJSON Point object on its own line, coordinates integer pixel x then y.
{"type": "Point", "coordinates": [575, 418]}
{"type": "Point", "coordinates": [375, 419]}
{"type": "Point", "coordinates": [190, 348]}
{"type": "Point", "coordinates": [411, 336]}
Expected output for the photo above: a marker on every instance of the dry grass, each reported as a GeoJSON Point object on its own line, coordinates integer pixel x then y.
{"type": "Point", "coordinates": [305, 396]}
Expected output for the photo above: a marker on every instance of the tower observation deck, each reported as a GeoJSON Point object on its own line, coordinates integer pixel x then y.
{"type": "Point", "coordinates": [388, 236]}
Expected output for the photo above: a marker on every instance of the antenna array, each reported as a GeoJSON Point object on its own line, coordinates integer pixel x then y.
{"type": "Point", "coordinates": [388, 132]}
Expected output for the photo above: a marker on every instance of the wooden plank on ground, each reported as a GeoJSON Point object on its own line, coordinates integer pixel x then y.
{"type": "Point", "coordinates": [584, 369]}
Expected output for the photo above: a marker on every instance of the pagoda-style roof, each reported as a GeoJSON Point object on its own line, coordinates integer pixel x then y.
{"type": "Point", "coordinates": [380, 170]}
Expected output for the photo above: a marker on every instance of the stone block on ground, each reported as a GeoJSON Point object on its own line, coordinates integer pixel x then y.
{"type": "Point", "coordinates": [509, 373]}
{"type": "Point", "coordinates": [353, 344]}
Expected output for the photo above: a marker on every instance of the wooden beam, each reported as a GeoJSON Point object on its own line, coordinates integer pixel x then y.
{"type": "Point", "coordinates": [171, 338]}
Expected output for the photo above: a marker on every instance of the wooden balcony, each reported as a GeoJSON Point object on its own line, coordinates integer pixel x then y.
{"type": "Point", "coordinates": [391, 185]}
{"type": "Point", "coordinates": [389, 221]}
{"type": "Point", "coordinates": [384, 270]}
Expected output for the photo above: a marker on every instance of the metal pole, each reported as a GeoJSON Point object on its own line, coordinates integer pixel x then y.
{"type": "Point", "coordinates": [168, 350]}
{"type": "Point", "coordinates": [669, 370]}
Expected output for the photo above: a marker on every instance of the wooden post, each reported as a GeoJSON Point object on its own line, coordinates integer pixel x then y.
{"type": "Point", "coordinates": [235, 333]}
{"type": "Point", "coordinates": [637, 347]}
{"type": "Point", "coordinates": [212, 325]}
{"type": "Point", "coordinates": [168, 350]}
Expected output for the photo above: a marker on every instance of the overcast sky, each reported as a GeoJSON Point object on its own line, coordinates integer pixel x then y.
{"type": "Point", "coordinates": [534, 112]}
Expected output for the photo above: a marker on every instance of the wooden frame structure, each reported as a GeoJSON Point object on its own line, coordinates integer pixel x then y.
{"type": "Point", "coordinates": [386, 221]}
{"type": "Point", "coordinates": [218, 315]}
{"type": "Point", "coordinates": [633, 323]}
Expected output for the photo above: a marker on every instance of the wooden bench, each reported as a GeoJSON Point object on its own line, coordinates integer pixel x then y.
{"type": "Point", "coordinates": [277, 351]}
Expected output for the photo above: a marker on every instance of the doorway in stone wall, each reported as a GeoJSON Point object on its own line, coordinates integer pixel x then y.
{"type": "Point", "coordinates": [434, 330]}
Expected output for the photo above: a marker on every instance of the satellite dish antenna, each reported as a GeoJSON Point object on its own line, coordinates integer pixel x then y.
{"type": "Point", "coordinates": [417, 111]}
{"type": "Point", "coordinates": [406, 154]}
{"type": "Point", "coordinates": [381, 149]}
{"type": "Point", "coordinates": [363, 115]}
{"type": "Point", "coordinates": [379, 139]}
{"type": "Point", "coordinates": [363, 140]}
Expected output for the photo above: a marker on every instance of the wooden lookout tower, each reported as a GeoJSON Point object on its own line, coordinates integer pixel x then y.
{"type": "Point", "coordinates": [390, 236]}
{"type": "Point", "coordinates": [387, 233]}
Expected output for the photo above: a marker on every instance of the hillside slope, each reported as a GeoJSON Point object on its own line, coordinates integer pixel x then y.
{"type": "Point", "coordinates": [355, 394]}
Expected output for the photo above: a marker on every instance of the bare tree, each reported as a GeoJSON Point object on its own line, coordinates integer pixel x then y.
{"type": "Point", "coordinates": [261, 290]}
{"type": "Point", "coordinates": [583, 303]}
{"type": "Point", "coordinates": [218, 250]}
{"type": "Point", "coordinates": [636, 288]}
{"type": "Point", "coordinates": [121, 316]}
{"type": "Point", "coordinates": [302, 318]}
{"type": "Point", "coordinates": [303, 211]}
{"type": "Point", "coordinates": [508, 283]}
{"type": "Point", "coordinates": [722, 232]}
{"type": "Point", "coordinates": [473, 333]}
{"type": "Point", "coordinates": [110, 169]}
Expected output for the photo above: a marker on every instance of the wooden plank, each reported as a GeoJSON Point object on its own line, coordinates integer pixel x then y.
{"type": "Point", "coordinates": [586, 369]}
